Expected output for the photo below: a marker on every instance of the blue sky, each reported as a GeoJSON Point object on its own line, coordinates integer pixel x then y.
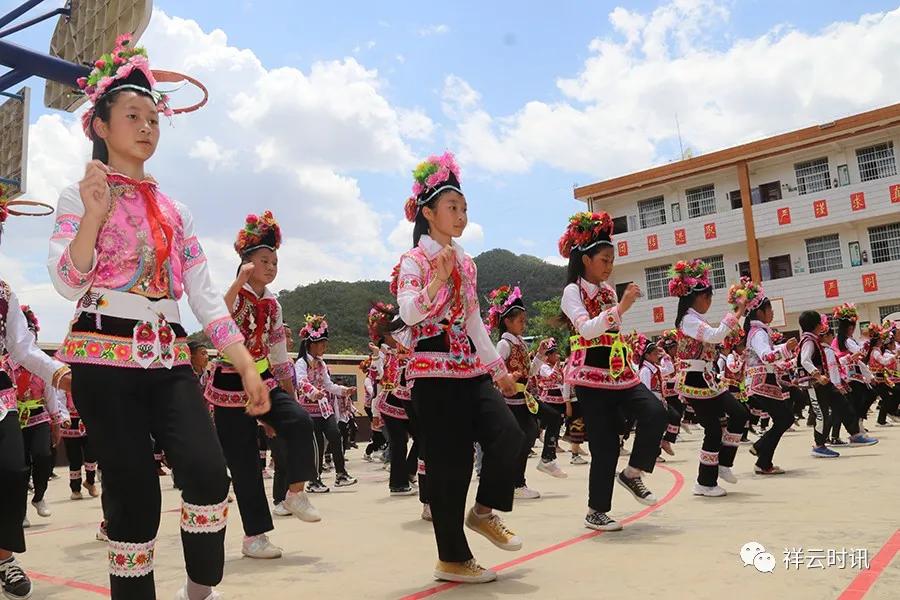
{"type": "Point", "coordinates": [533, 96]}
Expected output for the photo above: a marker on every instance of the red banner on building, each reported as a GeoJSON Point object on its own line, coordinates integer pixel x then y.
{"type": "Point", "coordinates": [820, 208]}
{"type": "Point", "coordinates": [623, 248]}
{"type": "Point", "coordinates": [895, 194]}
{"type": "Point", "coordinates": [831, 288]}
{"type": "Point", "coordinates": [659, 314]}
{"type": "Point", "coordinates": [709, 230]}
{"type": "Point", "coordinates": [858, 201]}
{"type": "Point", "coordinates": [680, 237]}
{"type": "Point", "coordinates": [784, 216]}
{"type": "Point", "coordinates": [870, 283]}
{"type": "Point", "coordinates": [652, 242]}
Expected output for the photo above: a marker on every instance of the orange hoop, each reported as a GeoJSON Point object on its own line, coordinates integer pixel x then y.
{"type": "Point", "coordinates": [174, 77]}
{"type": "Point", "coordinates": [18, 213]}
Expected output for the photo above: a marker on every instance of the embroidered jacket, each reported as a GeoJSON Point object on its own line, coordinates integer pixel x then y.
{"type": "Point", "coordinates": [446, 334]}
{"type": "Point", "coordinates": [36, 400]}
{"type": "Point", "coordinates": [651, 377]}
{"type": "Point", "coordinates": [260, 322]}
{"type": "Point", "coordinates": [762, 357]}
{"type": "Point", "coordinates": [595, 362]}
{"type": "Point", "coordinates": [17, 343]}
{"type": "Point", "coordinates": [856, 370]}
{"type": "Point", "coordinates": [314, 385]}
{"type": "Point", "coordinates": [697, 354]}
{"type": "Point", "coordinates": [550, 381]}
{"type": "Point", "coordinates": [392, 385]}
{"type": "Point", "coordinates": [514, 352]}
{"type": "Point", "coordinates": [141, 220]}
{"type": "Point", "coordinates": [667, 369]}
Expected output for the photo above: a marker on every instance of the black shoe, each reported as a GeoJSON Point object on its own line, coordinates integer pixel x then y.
{"type": "Point", "coordinates": [637, 489]}
{"type": "Point", "coordinates": [344, 480]}
{"type": "Point", "coordinates": [754, 451]}
{"type": "Point", "coordinates": [317, 487]}
{"type": "Point", "coordinates": [402, 491]}
{"type": "Point", "coordinates": [601, 522]}
{"type": "Point", "coordinates": [837, 442]}
{"type": "Point", "coordinates": [14, 581]}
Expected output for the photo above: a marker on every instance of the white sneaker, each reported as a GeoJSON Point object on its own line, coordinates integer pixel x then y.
{"type": "Point", "coordinates": [26, 523]}
{"type": "Point", "coordinates": [183, 595]}
{"type": "Point", "coordinates": [259, 546]}
{"type": "Point", "coordinates": [894, 418]}
{"type": "Point", "coordinates": [300, 506]}
{"type": "Point", "coordinates": [710, 491]}
{"type": "Point", "coordinates": [426, 512]}
{"type": "Point", "coordinates": [76, 495]}
{"type": "Point", "coordinates": [526, 493]}
{"type": "Point", "coordinates": [578, 459]}
{"type": "Point", "coordinates": [280, 510]}
{"type": "Point", "coordinates": [101, 534]}
{"type": "Point", "coordinates": [266, 473]}
{"type": "Point", "coordinates": [727, 474]}
{"type": "Point", "coordinates": [42, 508]}
{"type": "Point", "coordinates": [551, 468]}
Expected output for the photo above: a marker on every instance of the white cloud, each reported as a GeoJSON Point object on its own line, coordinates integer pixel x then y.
{"type": "Point", "coordinates": [430, 30]}
{"type": "Point", "coordinates": [472, 239]}
{"type": "Point", "coordinates": [618, 113]}
{"type": "Point", "coordinates": [278, 138]}
{"type": "Point", "coordinates": [556, 259]}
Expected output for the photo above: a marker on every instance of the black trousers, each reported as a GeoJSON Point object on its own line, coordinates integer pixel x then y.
{"type": "Point", "coordinates": [782, 414]}
{"type": "Point", "coordinates": [799, 398]}
{"type": "Point", "coordinates": [279, 478]}
{"type": "Point", "coordinates": [451, 415]}
{"type": "Point", "coordinates": [550, 416]}
{"type": "Point", "coordinates": [403, 464]}
{"type": "Point", "coordinates": [238, 434]}
{"type": "Point", "coordinates": [675, 411]}
{"type": "Point", "coordinates": [601, 409]}
{"type": "Point", "coordinates": [122, 408]}
{"type": "Point", "coordinates": [420, 462]}
{"type": "Point", "coordinates": [327, 430]}
{"type": "Point", "coordinates": [719, 447]}
{"type": "Point", "coordinates": [575, 425]}
{"type": "Point", "coordinates": [378, 442]}
{"type": "Point", "coordinates": [14, 484]}
{"type": "Point", "coordinates": [529, 427]}
{"type": "Point", "coordinates": [821, 405]}
{"type": "Point", "coordinates": [890, 397]}
{"type": "Point", "coordinates": [263, 444]}
{"type": "Point", "coordinates": [80, 453]}
{"type": "Point", "coordinates": [38, 458]}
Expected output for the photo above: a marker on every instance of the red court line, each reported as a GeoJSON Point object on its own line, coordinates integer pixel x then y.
{"type": "Point", "coordinates": [71, 583]}
{"type": "Point", "coordinates": [860, 586]}
{"type": "Point", "coordinates": [676, 487]}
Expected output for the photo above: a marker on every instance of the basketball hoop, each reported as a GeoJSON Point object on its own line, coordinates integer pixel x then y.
{"type": "Point", "coordinates": [42, 209]}
{"type": "Point", "coordinates": [175, 77]}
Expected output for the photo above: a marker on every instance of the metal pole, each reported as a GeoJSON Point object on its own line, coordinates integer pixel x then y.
{"type": "Point", "coordinates": [18, 97]}
{"type": "Point", "coordinates": [14, 77]}
{"type": "Point", "coordinates": [35, 21]}
{"type": "Point", "coordinates": [18, 12]}
{"type": "Point", "coordinates": [56, 69]}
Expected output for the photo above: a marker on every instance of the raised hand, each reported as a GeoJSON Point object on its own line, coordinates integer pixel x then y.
{"type": "Point", "coordinates": [94, 190]}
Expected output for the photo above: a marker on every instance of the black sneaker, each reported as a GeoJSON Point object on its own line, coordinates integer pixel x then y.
{"type": "Point", "coordinates": [344, 480]}
{"type": "Point", "coordinates": [402, 491]}
{"type": "Point", "coordinates": [837, 442]}
{"type": "Point", "coordinates": [637, 489]}
{"type": "Point", "coordinates": [14, 581]}
{"type": "Point", "coordinates": [317, 487]}
{"type": "Point", "coordinates": [601, 522]}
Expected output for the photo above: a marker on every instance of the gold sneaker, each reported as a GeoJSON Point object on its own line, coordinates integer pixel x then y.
{"type": "Point", "coordinates": [463, 572]}
{"type": "Point", "coordinates": [492, 528]}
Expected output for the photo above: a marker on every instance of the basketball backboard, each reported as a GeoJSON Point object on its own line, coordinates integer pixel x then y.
{"type": "Point", "coordinates": [14, 142]}
{"type": "Point", "coordinates": [89, 31]}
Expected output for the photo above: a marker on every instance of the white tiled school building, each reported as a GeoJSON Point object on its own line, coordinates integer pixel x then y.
{"type": "Point", "coordinates": [814, 214]}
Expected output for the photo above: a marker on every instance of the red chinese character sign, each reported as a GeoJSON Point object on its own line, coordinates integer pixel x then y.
{"type": "Point", "coordinates": [623, 248]}
{"type": "Point", "coordinates": [784, 216]}
{"type": "Point", "coordinates": [680, 237]}
{"type": "Point", "coordinates": [870, 283]}
{"type": "Point", "coordinates": [858, 201]}
{"type": "Point", "coordinates": [895, 194]}
{"type": "Point", "coordinates": [652, 242]}
{"type": "Point", "coordinates": [659, 314]}
{"type": "Point", "coordinates": [831, 288]}
{"type": "Point", "coordinates": [820, 208]}
{"type": "Point", "coordinates": [709, 230]}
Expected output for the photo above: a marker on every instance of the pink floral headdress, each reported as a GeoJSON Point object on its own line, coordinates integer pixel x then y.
{"type": "Point", "coordinates": [746, 292]}
{"type": "Point", "coordinates": [502, 301]}
{"type": "Point", "coordinates": [380, 315]}
{"type": "Point", "coordinates": [584, 231]}
{"type": "Point", "coordinates": [260, 231]}
{"type": "Point", "coordinates": [113, 67]}
{"type": "Point", "coordinates": [846, 312]}
{"type": "Point", "coordinates": [687, 277]}
{"type": "Point", "coordinates": [433, 176]}
{"type": "Point", "coordinates": [733, 339]}
{"type": "Point", "coordinates": [315, 329]}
